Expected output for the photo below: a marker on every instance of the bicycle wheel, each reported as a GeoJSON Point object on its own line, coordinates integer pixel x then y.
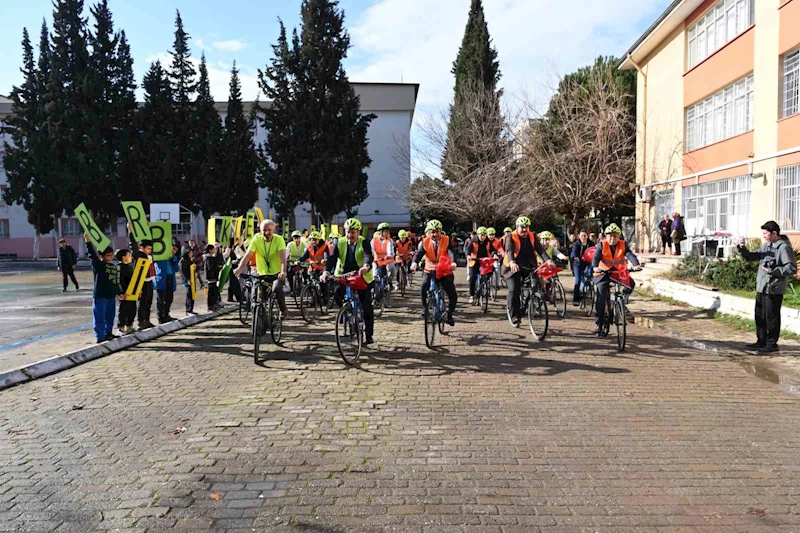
{"type": "Point", "coordinates": [348, 334]}
{"type": "Point", "coordinates": [537, 316]}
{"type": "Point", "coordinates": [403, 281]}
{"type": "Point", "coordinates": [493, 288]}
{"type": "Point", "coordinates": [275, 319]}
{"type": "Point", "coordinates": [378, 300]}
{"type": "Point", "coordinates": [258, 331]}
{"type": "Point", "coordinates": [484, 295]}
{"type": "Point", "coordinates": [560, 297]}
{"type": "Point", "coordinates": [588, 300]}
{"type": "Point", "coordinates": [297, 287]}
{"type": "Point", "coordinates": [309, 303]}
{"type": "Point", "coordinates": [622, 325]}
{"type": "Point", "coordinates": [244, 307]}
{"type": "Point", "coordinates": [443, 307]}
{"type": "Point", "coordinates": [430, 321]}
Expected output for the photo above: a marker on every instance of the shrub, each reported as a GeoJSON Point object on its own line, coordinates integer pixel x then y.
{"type": "Point", "coordinates": [735, 274]}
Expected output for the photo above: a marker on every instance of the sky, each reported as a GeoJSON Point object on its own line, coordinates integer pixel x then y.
{"type": "Point", "coordinates": [392, 40]}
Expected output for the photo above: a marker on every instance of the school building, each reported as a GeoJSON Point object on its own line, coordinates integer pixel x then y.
{"type": "Point", "coordinates": [389, 176]}
{"type": "Point", "coordinates": [718, 118]}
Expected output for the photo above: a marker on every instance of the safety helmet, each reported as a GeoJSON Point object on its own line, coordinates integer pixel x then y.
{"type": "Point", "coordinates": [481, 231]}
{"type": "Point", "coordinates": [402, 234]}
{"type": "Point", "coordinates": [316, 235]}
{"type": "Point", "coordinates": [433, 225]}
{"type": "Point", "coordinates": [613, 228]}
{"type": "Point", "coordinates": [352, 223]}
{"type": "Point", "coordinates": [296, 234]}
{"type": "Point", "coordinates": [333, 235]}
{"type": "Point", "coordinates": [491, 232]}
{"type": "Point", "coordinates": [545, 235]}
{"type": "Point", "coordinates": [523, 221]}
{"type": "Point", "coordinates": [383, 225]}
{"type": "Point", "coordinates": [507, 230]}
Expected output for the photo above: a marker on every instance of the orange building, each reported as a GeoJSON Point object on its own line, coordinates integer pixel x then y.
{"type": "Point", "coordinates": [718, 117]}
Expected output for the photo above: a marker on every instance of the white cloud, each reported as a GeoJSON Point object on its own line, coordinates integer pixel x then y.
{"type": "Point", "coordinates": [234, 45]}
{"type": "Point", "coordinates": [536, 41]}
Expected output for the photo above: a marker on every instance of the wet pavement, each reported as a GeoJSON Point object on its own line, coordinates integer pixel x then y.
{"type": "Point", "coordinates": [489, 432]}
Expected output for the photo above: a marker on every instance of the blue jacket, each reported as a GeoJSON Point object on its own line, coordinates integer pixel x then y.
{"type": "Point", "coordinates": [165, 274]}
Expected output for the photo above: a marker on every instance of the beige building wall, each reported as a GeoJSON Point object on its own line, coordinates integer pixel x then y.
{"type": "Point", "coordinates": [660, 138]}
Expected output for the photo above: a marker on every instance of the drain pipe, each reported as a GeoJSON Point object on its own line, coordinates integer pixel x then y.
{"type": "Point", "coordinates": [644, 128]}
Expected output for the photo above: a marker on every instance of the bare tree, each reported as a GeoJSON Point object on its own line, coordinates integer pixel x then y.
{"type": "Point", "coordinates": [580, 156]}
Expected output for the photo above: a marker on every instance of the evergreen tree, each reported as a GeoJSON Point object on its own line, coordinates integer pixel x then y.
{"type": "Point", "coordinates": [208, 190]}
{"type": "Point", "coordinates": [476, 68]}
{"type": "Point", "coordinates": [181, 76]}
{"type": "Point", "coordinates": [238, 162]}
{"type": "Point", "coordinates": [125, 109]}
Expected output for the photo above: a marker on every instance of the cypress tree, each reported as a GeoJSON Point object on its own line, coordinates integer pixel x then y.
{"type": "Point", "coordinates": [181, 76]}
{"type": "Point", "coordinates": [208, 190]}
{"type": "Point", "coordinates": [124, 103]}
{"type": "Point", "coordinates": [238, 162]}
{"type": "Point", "coordinates": [476, 68]}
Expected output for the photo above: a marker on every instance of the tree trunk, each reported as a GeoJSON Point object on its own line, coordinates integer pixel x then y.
{"type": "Point", "coordinates": [36, 238]}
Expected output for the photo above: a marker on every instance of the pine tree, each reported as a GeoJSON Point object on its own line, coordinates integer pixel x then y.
{"type": "Point", "coordinates": [209, 190]}
{"type": "Point", "coordinates": [181, 76]}
{"type": "Point", "coordinates": [476, 68]}
{"type": "Point", "coordinates": [238, 162]}
{"type": "Point", "coordinates": [125, 108]}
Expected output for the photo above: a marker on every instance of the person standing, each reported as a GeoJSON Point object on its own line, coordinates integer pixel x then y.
{"type": "Point", "coordinates": [678, 232]}
{"type": "Point", "coordinates": [185, 266]}
{"type": "Point", "coordinates": [166, 284]}
{"type": "Point", "coordinates": [665, 228]}
{"type": "Point", "coordinates": [106, 291]}
{"type": "Point", "coordinates": [777, 264]}
{"type": "Point", "coordinates": [127, 308]}
{"type": "Point", "coordinates": [67, 260]}
{"type": "Point", "coordinates": [144, 250]}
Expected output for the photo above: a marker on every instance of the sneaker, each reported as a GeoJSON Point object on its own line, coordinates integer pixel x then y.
{"type": "Point", "coordinates": [450, 321]}
{"type": "Point", "coordinates": [598, 331]}
{"type": "Point", "coordinates": [768, 349]}
{"type": "Point", "coordinates": [472, 300]}
{"type": "Point", "coordinates": [754, 346]}
{"type": "Point", "coordinates": [368, 341]}
{"type": "Point", "coordinates": [576, 303]}
{"type": "Point", "coordinates": [77, 288]}
{"type": "Point", "coordinates": [170, 319]}
{"type": "Point", "coordinates": [101, 341]}
{"type": "Point", "coordinates": [64, 290]}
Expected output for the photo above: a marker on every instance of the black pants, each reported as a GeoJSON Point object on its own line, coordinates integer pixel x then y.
{"type": "Point", "coordinates": [768, 318]}
{"type": "Point", "coordinates": [189, 300]}
{"type": "Point", "coordinates": [164, 302]}
{"type": "Point", "coordinates": [71, 273]}
{"type": "Point", "coordinates": [602, 286]}
{"type": "Point", "coordinates": [213, 295]}
{"type": "Point", "coordinates": [448, 285]}
{"type": "Point", "coordinates": [126, 314]}
{"type": "Point", "coordinates": [677, 243]}
{"type": "Point", "coordinates": [514, 283]}
{"type": "Point", "coordinates": [365, 298]}
{"type": "Point", "coordinates": [145, 303]}
{"type": "Point", "coordinates": [234, 289]}
{"type": "Point", "coordinates": [666, 242]}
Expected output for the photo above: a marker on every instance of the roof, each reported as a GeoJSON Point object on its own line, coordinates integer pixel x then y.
{"type": "Point", "coordinates": [664, 25]}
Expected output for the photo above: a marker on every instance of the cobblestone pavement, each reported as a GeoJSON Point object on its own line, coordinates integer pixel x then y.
{"type": "Point", "coordinates": [492, 432]}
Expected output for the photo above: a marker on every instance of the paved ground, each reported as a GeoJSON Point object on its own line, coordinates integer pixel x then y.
{"type": "Point", "coordinates": [38, 321]}
{"type": "Point", "coordinates": [492, 432]}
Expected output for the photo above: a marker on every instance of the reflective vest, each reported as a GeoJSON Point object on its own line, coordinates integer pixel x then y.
{"type": "Point", "coordinates": [316, 258]}
{"type": "Point", "coordinates": [295, 251]}
{"type": "Point", "coordinates": [615, 261]}
{"type": "Point", "coordinates": [341, 245]}
{"type": "Point", "coordinates": [380, 250]}
{"type": "Point", "coordinates": [475, 248]}
{"type": "Point", "coordinates": [431, 260]}
{"type": "Point", "coordinates": [404, 249]}
{"type": "Point", "coordinates": [517, 243]}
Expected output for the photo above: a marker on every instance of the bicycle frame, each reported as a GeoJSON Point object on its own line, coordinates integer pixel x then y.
{"type": "Point", "coordinates": [435, 289]}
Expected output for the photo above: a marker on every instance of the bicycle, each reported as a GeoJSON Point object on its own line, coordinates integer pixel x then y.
{"type": "Point", "coordinates": [311, 301]}
{"type": "Point", "coordinates": [350, 326]}
{"type": "Point", "coordinates": [485, 283]}
{"type": "Point", "coordinates": [587, 293]}
{"type": "Point", "coordinates": [532, 301]}
{"type": "Point", "coordinates": [435, 311]}
{"type": "Point", "coordinates": [554, 291]}
{"type": "Point", "coordinates": [402, 275]}
{"type": "Point", "coordinates": [495, 281]}
{"type": "Point", "coordinates": [298, 281]}
{"type": "Point", "coordinates": [268, 317]}
{"type": "Point", "coordinates": [245, 305]}
{"type": "Point", "coordinates": [382, 292]}
{"type": "Point", "coordinates": [616, 313]}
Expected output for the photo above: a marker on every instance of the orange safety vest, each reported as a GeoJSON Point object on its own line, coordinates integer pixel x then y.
{"type": "Point", "coordinates": [497, 244]}
{"type": "Point", "coordinates": [404, 249]}
{"type": "Point", "coordinates": [473, 252]}
{"type": "Point", "coordinates": [615, 261]}
{"type": "Point", "coordinates": [316, 258]}
{"type": "Point", "coordinates": [431, 261]}
{"type": "Point", "coordinates": [381, 251]}
{"type": "Point", "coordinates": [517, 244]}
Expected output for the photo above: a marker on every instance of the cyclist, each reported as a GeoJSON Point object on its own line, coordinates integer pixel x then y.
{"type": "Point", "coordinates": [579, 266]}
{"type": "Point", "coordinates": [316, 255]}
{"type": "Point", "coordinates": [332, 238]}
{"type": "Point", "coordinates": [433, 248]}
{"type": "Point", "coordinates": [404, 250]}
{"type": "Point", "coordinates": [506, 233]}
{"type": "Point", "coordinates": [353, 253]}
{"type": "Point", "coordinates": [613, 254]}
{"type": "Point", "coordinates": [550, 244]}
{"type": "Point", "coordinates": [521, 249]}
{"type": "Point", "coordinates": [269, 250]}
{"type": "Point", "coordinates": [383, 250]}
{"type": "Point", "coordinates": [296, 248]}
{"type": "Point", "coordinates": [498, 251]}
{"type": "Point", "coordinates": [480, 248]}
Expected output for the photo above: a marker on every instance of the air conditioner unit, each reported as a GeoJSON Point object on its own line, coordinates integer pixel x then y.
{"type": "Point", "coordinates": [645, 194]}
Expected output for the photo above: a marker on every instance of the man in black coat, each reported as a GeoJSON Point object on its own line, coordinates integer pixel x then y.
{"type": "Point", "coordinates": [67, 260]}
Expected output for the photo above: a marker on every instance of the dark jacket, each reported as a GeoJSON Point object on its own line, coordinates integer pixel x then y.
{"type": "Point", "coordinates": [505, 271]}
{"type": "Point", "coordinates": [677, 225]}
{"type": "Point", "coordinates": [125, 276]}
{"type": "Point", "coordinates": [665, 227]}
{"type": "Point", "coordinates": [106, 276]}
{"type": "Point", "coordinates": [138, 254]}
{"type": "Point", "coordinates": [213, 264]}
{"type": "Point", "coordinates": [185, 266]}
{"type": "Point", "coordinates": [781, 261]}
{"type": "Point", "coordinates": [67, 259]}
{"type": "Point", "coordinates": [579, 249]}
{"type": "Point", "coordinates": [165, 274]}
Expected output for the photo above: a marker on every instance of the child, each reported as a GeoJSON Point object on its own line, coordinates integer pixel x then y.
{"type": "Point", "coordinates": [127, 308]}
{"type": "Point", "coordinates": [166, 285]}
{"type": "Point", "coordinates": [213, 262]}
{"type": "Point", "coordinates": [186, 272]}
{"type": "Point", "coordinates": [106, 289]}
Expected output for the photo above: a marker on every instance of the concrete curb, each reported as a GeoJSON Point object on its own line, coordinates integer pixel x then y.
{"type": "Point", "coordinates": [58, 363]}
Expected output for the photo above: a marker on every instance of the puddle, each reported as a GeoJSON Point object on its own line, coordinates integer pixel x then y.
{"type": "Point", "coordinates": [766, 371]}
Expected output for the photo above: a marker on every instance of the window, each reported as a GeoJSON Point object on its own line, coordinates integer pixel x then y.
{"type": "Point", "coordinates": [70, 227]}
{"type": "Point", "coordinates": [720, 25]}
{"type": "Point", "coordinates": [791, 83]}
{"type": "Point", "coordinates": [720, 116]}
{"type": "Point", "coordinates": [4, 229]}
{"type": "Point", "coordinates": [788, 183]}
{"type": "Point", "coordinates": [185, 227]}
{"type": "Point", "coordinates": [722, 206]}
